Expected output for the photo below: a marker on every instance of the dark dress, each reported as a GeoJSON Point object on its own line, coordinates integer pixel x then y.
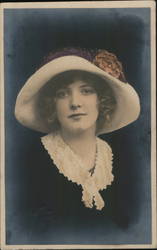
{"type": "Point", "coordinates": [51, 210]}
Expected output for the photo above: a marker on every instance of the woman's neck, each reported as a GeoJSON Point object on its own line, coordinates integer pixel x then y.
{"type": "Point", "coordinates": [83, 143]}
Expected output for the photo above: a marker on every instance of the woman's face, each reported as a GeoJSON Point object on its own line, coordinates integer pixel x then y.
{"type": "Point", "coordinates": [77, 107]}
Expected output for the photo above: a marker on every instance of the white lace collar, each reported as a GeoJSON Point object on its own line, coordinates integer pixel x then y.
{"type": "Point", "coordinates": [71, 166]}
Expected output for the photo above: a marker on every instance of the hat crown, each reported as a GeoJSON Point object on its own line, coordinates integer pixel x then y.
{"type": "Point", "coordinates": [103, 59]}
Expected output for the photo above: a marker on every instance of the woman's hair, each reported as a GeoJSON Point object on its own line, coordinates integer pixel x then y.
{"type": "Point", "coordinates": [107, 101]}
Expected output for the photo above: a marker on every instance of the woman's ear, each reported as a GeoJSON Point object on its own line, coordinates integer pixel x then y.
{"type": "Point", "coordinates": [107, 117]}
{"type": "Point", "coordinates": [52, 118]}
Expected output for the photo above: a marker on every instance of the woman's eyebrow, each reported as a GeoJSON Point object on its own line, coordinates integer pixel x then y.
{"type": "Point", "coordinates": [86, 85]}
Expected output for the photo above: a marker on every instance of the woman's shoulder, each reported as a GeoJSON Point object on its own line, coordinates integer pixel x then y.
{"type": "Point", "coordinates": [103, 142]}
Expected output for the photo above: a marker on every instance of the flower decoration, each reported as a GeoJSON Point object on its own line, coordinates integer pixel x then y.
{"type": "Point", "coordinates": [109, 63]}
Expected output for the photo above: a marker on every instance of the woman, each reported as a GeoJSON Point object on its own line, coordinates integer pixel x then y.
{"type": "Point", "coordinates": [74, 98]}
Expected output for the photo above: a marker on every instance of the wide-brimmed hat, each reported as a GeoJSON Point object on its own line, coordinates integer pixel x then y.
{"type": "Point", "coordinates": [100, 62]}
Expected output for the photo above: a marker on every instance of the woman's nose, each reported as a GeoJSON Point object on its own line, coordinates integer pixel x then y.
{"type": "Point", "coordinates": [75, 101]}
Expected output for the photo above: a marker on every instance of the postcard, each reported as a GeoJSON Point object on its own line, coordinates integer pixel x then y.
{"type": "Point", "coordinates": [78, 151]}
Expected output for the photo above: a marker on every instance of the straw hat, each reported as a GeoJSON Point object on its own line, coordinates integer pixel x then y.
{"type": "Point", "coordinates": [101, 63]}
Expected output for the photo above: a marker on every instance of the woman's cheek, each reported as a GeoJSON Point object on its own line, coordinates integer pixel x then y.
{"type": "Point", "coordinates": [61, 108]}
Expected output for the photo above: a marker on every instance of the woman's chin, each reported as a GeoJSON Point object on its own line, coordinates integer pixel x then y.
{"type": "Point", "coordinates": [77, 130]}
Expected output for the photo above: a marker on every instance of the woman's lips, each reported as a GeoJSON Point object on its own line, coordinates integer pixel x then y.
{"type": "Point", "coordinates": [76, 115]}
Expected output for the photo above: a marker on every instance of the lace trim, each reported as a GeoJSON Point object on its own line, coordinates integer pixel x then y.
{"type": "Point", "coordinates": [72, 167]}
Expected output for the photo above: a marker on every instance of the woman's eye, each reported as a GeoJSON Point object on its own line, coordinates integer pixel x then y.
{"type": "Point", "coordinates": [87, 91]}
{"type": "Point", "coordinates": [61, 94]}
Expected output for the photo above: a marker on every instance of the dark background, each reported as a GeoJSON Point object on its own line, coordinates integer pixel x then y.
{"type": "Point", "coordinates": [29, 35]}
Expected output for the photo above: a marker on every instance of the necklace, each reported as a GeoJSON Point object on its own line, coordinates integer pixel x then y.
{"type": "Point", "coordinates": [91, 170]}
{"type": "Point", "coordinates": [72, 167]}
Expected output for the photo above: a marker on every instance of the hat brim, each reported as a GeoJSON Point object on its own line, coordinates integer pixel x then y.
{"type": "Point", "coordinates": [128, 104]}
